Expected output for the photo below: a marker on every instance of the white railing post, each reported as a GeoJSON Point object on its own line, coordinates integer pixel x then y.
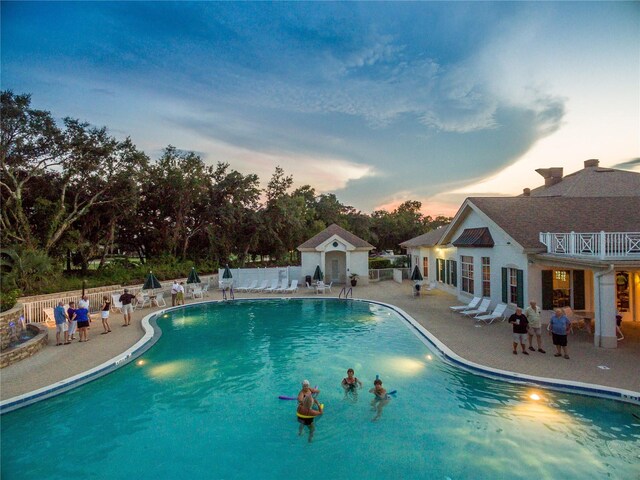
{"type": "Point", "coordinates": [603, 245]}
{"type": "Point", "coordinates": [572, 243]}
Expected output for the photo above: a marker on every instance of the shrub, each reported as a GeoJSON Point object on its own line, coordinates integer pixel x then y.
{"type": "Point", "coordinates": [8, 299]}
{"type": "Point", "coordinates": [376, 263]}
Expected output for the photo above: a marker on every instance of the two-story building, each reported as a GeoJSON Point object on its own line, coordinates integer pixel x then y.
{"type": "Point", "coordinates": [573, 242]}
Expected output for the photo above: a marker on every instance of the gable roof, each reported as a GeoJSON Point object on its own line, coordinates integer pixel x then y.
{"type": "Point", "coordinates": [332, 230]}
{"type": "Point", "coordinates": [593, 182]}
{"type": "Point", "coordinates": [474, 237]}
{"type": "Point", "coordinates": [429, 239]}
{"type": "Point", "coordinates": [523, 218]}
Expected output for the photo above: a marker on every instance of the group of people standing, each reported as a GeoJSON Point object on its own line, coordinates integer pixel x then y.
{"type": "Point", "coordinates": [77, 319]}
{"type": "Point", "coordinates": [528, 324]}
{"type": "Point", "coordinates": [307, 400]}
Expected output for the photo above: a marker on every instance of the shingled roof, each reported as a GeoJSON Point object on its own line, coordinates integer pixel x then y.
{"type": "Point", "coordinates": [523, 218]}
{"type": "Point", "coordinates": [429, 239]}
{"type": "Point", "coordinates": [332, 230]}
{"type": "Point", "coordinates": [593, 182]}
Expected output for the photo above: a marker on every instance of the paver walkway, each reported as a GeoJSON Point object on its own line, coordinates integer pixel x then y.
{"type": "Point", "coordinates": [488, 345]}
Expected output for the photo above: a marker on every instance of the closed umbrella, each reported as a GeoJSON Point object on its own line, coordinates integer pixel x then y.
{"type": "Point", "coordinates": [193, 276]}
{"type": "Point", "coordinates": [416, 276]}
{"type": "Point", "coordinates": [317, 275]}
{"type": "Point", "coordinates": [151, 282]}
{"type": "Point", "coordinates": [227, 278]}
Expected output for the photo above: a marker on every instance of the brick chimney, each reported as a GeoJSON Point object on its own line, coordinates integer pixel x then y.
{"type": "Point", "coordinates": [594, 162]}
{"type": "Point", "coordinates": [551, 175]}
{"type": "Point", "coordinates": [526, 192]}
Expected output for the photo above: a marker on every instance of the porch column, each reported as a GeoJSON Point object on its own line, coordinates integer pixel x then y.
{"type": "Point", "coordinates": [605, 310]}
{"type": "Point", "coordinates": [348, 265]}
{"type": "Point", "coordinates": [323, 267]}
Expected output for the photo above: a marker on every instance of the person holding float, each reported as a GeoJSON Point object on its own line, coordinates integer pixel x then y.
{"type": "Point", "coordinates": [381, 398]}
{"type": "Point", "coordinates": [305, 412]}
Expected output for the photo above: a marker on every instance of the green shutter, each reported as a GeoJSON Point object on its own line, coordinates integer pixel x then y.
{"type": "Point", "coordinates": [505, 285]}
{"type": "Point", "coordinates": [454, 273]}
{"type": "Point", "coordinates": [578, 290]}
{"type": "Point", "coordinates": [520, 288]}
{"type": "Point", "coordinates": [448, 272]}
{"type": "Point", "coordinates": [437, 269]}
{"type": "Point", "coordinates": [441, 270]}
{"type": "Point", "coordinates": [547, 289]}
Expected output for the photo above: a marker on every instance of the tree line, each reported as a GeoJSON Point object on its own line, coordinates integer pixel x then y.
{"type": "Point", "coordinates": [73, 194]}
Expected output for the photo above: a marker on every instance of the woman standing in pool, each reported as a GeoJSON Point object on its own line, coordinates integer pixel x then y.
{"type": "Point", "coordinates": [380, 399]}
{"type": "Point", "coordinates": [351, 382]}
{"type": "Point", "coordinates": [306, 391]}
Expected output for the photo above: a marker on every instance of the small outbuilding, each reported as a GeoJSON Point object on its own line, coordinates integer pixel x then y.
{"type": "Point", "coordinates": [339, 253]}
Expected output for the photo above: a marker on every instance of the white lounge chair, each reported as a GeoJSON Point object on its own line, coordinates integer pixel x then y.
{"type": "Point", "coordinates": [142, 299]}
{"type": "Point", "coordinates": [160, 300]}
{"type": "Point", "coordinates": [498, 312]}
{"type": "Point", "coordinates": [261, 287]}
{"type": "Point", "coordinates": [481, 310]}
{"type": "Point", "coordinates": [273, 287]}
{"type": "Point", "coordinates": [292, 288]}
{"type": "Point", "coordinates": [471, 305]}
{"type": "Point", "coordinates": [328, 286]}
{"type": "Point", "coordinates": [310, 287]}
{"type": "Point", "coordinates": [249, 287]}
{"type": "Point", "coordinates": [284, 284]}
{"type": "Point", "coordinates": [197, 292]}
{"type": "Point", "coordinates": [205, 290]}
{"type": "Point", "coordinates": [49, 317]}
{"type": "Point", "coordinates": [116, 304]}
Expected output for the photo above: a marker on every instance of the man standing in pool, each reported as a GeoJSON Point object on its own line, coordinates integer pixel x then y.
{"type": "Point", "coordinates": [306, 414]}
{"type": "Point", "coordinates": [380, 399]}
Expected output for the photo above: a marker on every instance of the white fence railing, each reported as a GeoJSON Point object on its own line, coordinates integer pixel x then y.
{"type": "Point", "coordinates": [380, 274]}
{"type": "Point", "coordinates": [601, 245]}
{"type": "Point", "coordinates": [245, 276]}
{"type": "Point", "coordinates": [34, 306]}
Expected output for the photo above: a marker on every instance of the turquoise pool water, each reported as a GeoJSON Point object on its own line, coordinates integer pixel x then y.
{"type": "Point", "coordinates": [202, 404]}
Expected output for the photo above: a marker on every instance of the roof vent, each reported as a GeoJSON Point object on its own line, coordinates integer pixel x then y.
{"type": "Point", "coordinates": [551, 175]}
{"type": "Point", "coordinates": [594, 162]}
{"type": "Point", "coordinates": [526, 192]}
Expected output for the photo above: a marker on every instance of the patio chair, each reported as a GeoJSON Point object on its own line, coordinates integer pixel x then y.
{"type": "Point", "coordinates": [481, 310]}
{"type": "Point", "coordinates": [472, 304]}
{"type": "Point", "coordinates": [328, 286]}
{"type": "Point", "coordinates": [498, 312]}
{"type": "Point", "coordinates": [142, 299]}
{"type": "Point", "coordinates": [205, 290]}
{"type": "Point", "coordinates": [273, 287]}
{"type": "Point", "coordinates": [116, 304]}
{"type": "Point", "coordinates": [261, 287]}
{"type": "Point", "coordinates": [160, 300]}
{"type": "Point", "coordinates": [292, 288]}
{"type": "Point", "coordinates": [197, 292]}
{"type": "Point", "coordinates": [309, 287]}
{"type": "Point", "coordinates": [49, 318]}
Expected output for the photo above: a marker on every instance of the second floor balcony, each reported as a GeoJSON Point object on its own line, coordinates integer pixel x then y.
{"type": "Point", "coordinates": [600, 245]}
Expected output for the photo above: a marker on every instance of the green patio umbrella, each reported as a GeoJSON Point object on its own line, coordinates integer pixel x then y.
{"type": "Point", "coordinates": [226, 276]}
{"type": "Point", "coordinates": [193, 276]}
{"type": "Point", "coordinates": [151, 282]}
{"type": "Point", "coordinates": [416, 275]}
{"type": "Point", "coordinates": [317, 275]}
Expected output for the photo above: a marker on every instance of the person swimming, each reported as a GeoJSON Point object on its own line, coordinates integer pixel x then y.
{"type": "Point", "coordinates": [351, 382]}
{"type": "Point", "coordinates": [380, 399]}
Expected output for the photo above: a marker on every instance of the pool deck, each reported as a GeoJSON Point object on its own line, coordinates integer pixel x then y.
{"type": "Point", "coordinates": [489, 345]}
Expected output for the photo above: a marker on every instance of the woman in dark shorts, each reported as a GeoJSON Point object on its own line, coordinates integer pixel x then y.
{"type": "Point", "coordinates": [306, 414]}
{"type": "Point", "coordinates": [82, 316]}
{"type": "Point", "coordinates": [559, 326]}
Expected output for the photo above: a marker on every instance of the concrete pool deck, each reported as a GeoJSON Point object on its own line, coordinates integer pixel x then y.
{"type": "Point", "coordinates": [488, 345]}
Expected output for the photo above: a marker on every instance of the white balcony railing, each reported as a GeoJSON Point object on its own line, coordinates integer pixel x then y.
{"type": "Point", "coordinates": [601, 245]}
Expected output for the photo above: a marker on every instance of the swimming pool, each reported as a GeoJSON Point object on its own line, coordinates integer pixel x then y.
{"type": "Point", "coordinates": [202, 403]}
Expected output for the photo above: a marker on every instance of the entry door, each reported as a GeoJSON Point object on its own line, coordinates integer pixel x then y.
{"type": "Point", "coordinates": [623, 295]}
{"type": "Point", "coordinates": [335, 270]}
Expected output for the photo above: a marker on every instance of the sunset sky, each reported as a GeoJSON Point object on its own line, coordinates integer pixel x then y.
{"type": "Point", "coordinates": [376, 102]}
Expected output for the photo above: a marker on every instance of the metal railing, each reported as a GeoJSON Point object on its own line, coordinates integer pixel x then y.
{"type": "Point", "coordinates": [380, 274]}
{"type": "Point", "coordinates": [601, 245]}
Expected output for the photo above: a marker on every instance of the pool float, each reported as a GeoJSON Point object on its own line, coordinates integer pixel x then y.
{"type": "Point", "coordinates": [287, 397]}
{"type": "Point", "coordinates": [310, 416]}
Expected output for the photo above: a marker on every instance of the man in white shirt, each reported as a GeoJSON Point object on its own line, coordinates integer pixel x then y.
{"type": "Point", "coordinates": [535, 325]}
{"type": "Point", "coordinates": [175, 289]}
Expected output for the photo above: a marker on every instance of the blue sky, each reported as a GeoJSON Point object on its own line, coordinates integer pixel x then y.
{"type": "Point", "coordinates": [375, 102]}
